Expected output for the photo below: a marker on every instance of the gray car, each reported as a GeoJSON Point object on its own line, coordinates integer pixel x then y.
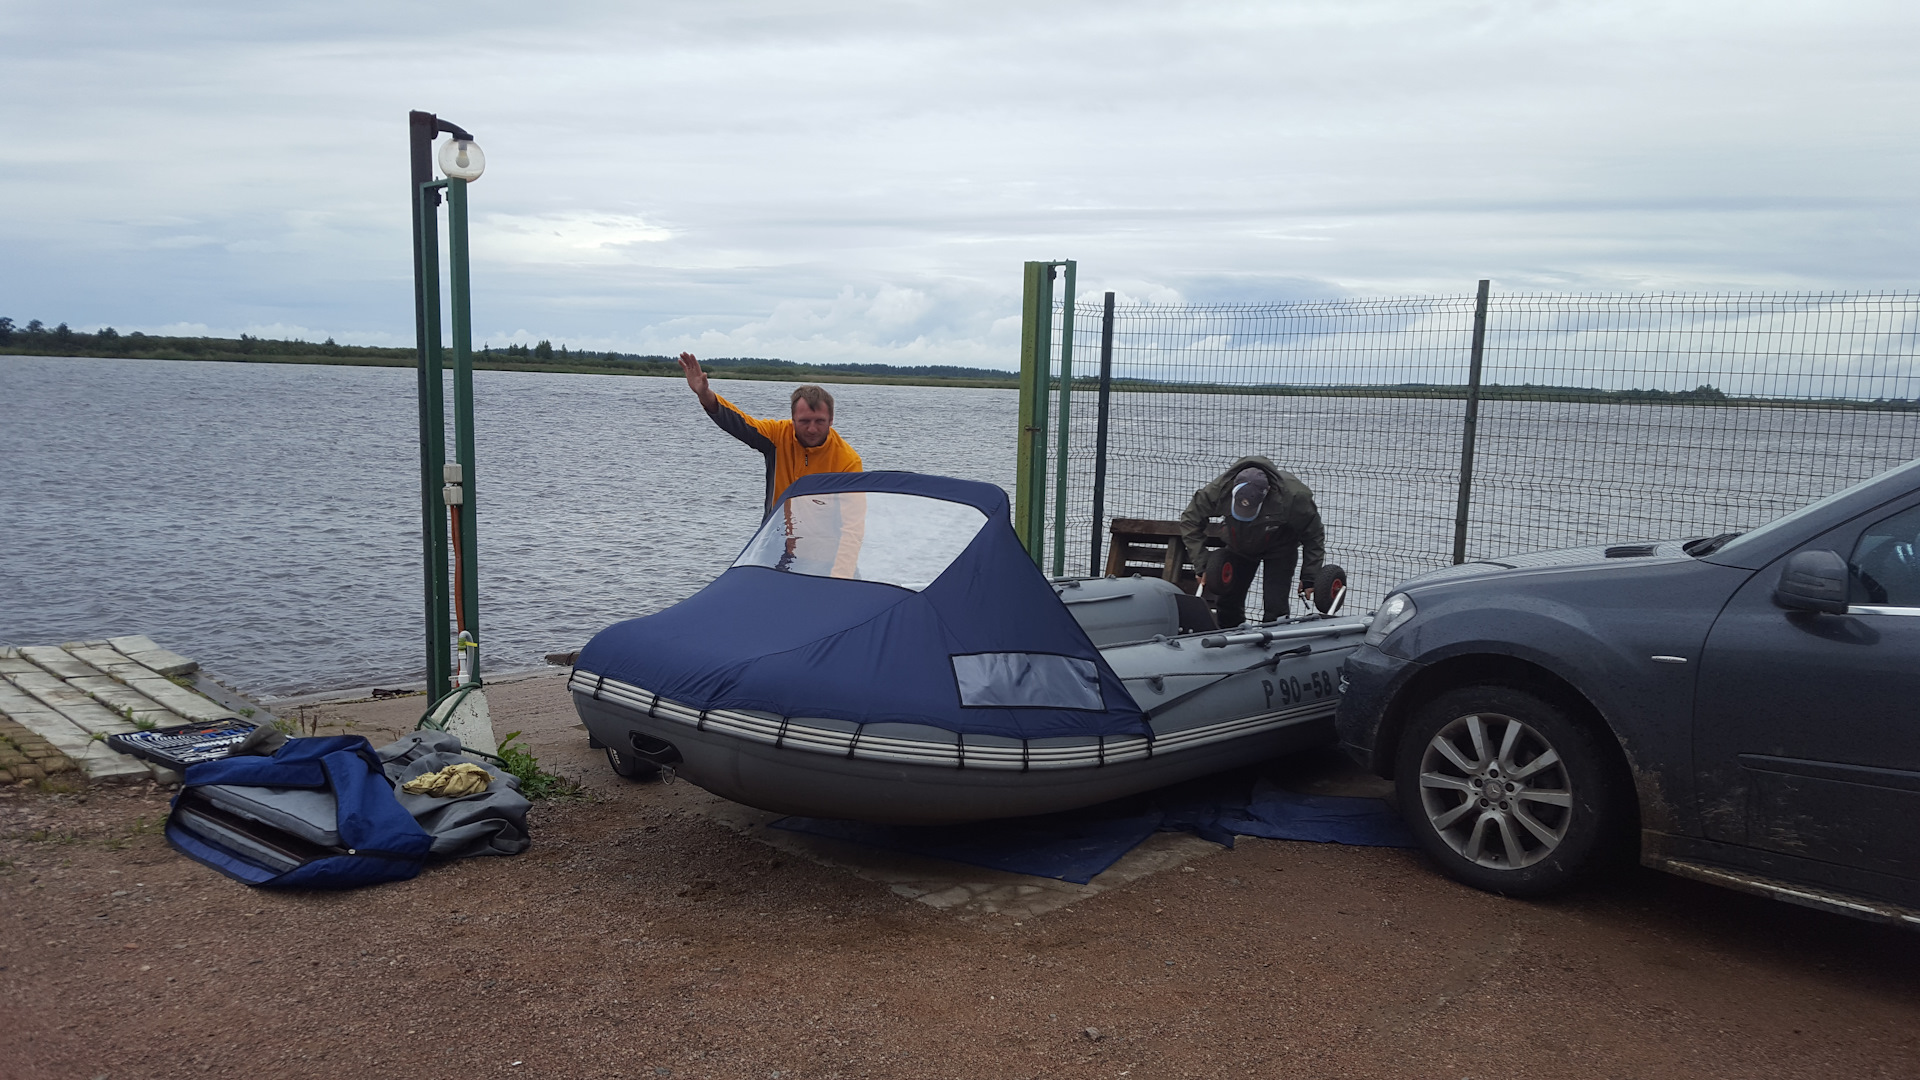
{"type": "Point", "coordinates": [1741, 709]}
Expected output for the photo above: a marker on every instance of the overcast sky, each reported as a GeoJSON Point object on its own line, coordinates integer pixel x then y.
{"type": "Point", "coordinates": [861, 181]}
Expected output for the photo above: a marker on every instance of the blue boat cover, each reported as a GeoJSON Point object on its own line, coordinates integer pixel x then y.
{"type": "Point", "coordinates": [880, 597]}
{"type": "Point", "coordinates": [379, 840]}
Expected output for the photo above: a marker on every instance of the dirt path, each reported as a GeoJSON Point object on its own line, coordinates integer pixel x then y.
{"type": "Point", "coordinates": [641, 938]}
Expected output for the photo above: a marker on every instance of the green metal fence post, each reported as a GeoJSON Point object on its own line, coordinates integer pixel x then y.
{"type": "Point", "coordinates": [1066, 403]}
{"type": "Point", "coordinates": [422, 127]}
{"type": "Point", "coordinates": [1100, 437]}
{"type": "Point", "coordinates": [1030, 469]}
{"type": "Point", "coordinates": [461, 295]}
{"type": "Point", "coordinates": [433, 449]}
{"type": "Point", "coordinates": [1470, 428]}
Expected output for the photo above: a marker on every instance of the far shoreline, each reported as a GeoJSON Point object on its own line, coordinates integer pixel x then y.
{"type": "Point", "coordinates": [799, 374]}
{"type": "Point", "coordinates": [754, 370]}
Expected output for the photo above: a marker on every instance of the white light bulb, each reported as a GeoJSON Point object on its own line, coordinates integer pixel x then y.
{"type": "Point", "coordinates": [461, 159]}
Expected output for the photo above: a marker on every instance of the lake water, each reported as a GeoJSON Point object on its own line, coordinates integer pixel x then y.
{"type": "Point", "coordinates": [264, 519]}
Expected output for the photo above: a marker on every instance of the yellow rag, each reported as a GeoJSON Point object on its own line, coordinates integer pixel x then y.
{"type": "Point", "coordinates": [450, 782]}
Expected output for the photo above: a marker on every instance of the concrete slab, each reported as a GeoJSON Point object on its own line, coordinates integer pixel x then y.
{"type": "Point", "coordinates": [105, 658]}
{"type": "Point", "coordinates": [92, 756]}
{"type": "Point", "coordinates": [154, 685]}
{"type": "Point", "coordinates": [176, 698]}
{"type": "Point", "coordinates": [141, 649]}
{"type": "Point", "coordinates": [91, 716]}
{"type": "Point", "coordinates": [126, 701]}
{"type": "Point", "coordinates": [70, 694]}
{"type": "Point", "coordinates": [42, 719]}
{"type": "Point", "coordinates": [57, 661]}
{"type": "Point", "coordinates": [101, 762]}
{"type": "Point", "coordinates": [131, 643]}
{"type": "Point", "coordinates": [167, 662]}
{"type": "Point", "coordinates": [212, 685]}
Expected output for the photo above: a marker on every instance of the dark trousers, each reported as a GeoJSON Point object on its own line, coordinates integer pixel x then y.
{"type": "Point", "coordinates": [1229, 576]}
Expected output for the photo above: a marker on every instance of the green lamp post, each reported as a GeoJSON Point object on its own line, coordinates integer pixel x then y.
{"type": "Point", "coordinates": [446, 488]}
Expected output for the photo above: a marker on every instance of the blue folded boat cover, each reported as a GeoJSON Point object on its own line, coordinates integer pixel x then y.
{"type": "Point", "coordinates": [379, 840]}
{"type": "Point", "coordinates": [880, 597]}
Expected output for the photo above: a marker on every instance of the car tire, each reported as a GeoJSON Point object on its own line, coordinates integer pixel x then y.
{"type": "Point", "coordinates": [1473, 787]}
{"type": "Point", "coordinates": [631, 765]}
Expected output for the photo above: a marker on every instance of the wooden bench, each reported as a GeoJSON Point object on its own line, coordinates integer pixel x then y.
{"type": "Point", "coordinates": [1149, 548]}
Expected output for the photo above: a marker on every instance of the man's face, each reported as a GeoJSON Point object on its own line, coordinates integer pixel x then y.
{"type": "Point", "coordinates": [810, 425]}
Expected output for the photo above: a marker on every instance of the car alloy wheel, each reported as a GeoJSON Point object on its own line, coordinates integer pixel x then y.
{"type": "Point", "coordinates": [1513, 792]}
{"type": "Point", "coordinates": [1496, 791]}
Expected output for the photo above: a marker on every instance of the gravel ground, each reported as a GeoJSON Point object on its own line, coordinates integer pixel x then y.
{"type": "Point", "coordinates": [641, 938]}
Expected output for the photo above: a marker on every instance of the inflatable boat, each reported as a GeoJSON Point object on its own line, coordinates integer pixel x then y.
{"type": "Point", "coordinates": [885, 650]}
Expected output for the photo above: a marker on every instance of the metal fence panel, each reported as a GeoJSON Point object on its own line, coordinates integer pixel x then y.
{"type": "Point", "coordinates": [1601, 417]}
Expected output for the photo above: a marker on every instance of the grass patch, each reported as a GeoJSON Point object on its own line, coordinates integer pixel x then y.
{"type": "Point", "coordinates": [305, 723]}
{"type": "Point", "coordinates": [50, 836]}
{"type": "Point", "coordinates": [142, 826]}
{"type": "Point", "coordinates": [535, 782]}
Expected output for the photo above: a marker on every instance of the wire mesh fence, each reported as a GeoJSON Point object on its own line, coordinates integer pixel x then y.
{"type": "Point", "coordinates": [1600, 418]}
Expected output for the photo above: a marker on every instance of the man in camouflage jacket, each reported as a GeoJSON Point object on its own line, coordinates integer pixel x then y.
{"type": "Point", "coordinates": [1271, 521]}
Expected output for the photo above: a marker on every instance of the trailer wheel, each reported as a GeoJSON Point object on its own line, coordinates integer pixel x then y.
{"type": "Point", "coordinates": [1329, 589]}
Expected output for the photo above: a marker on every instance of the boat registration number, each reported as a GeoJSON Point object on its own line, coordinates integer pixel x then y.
{"type": "Point", "coordinates": [1293, 690]}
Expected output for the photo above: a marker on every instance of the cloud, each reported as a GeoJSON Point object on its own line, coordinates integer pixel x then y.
{"type": "Point", "coordinates": [815, 179]}
{"type": "Point", "coordinates": [562, 238]}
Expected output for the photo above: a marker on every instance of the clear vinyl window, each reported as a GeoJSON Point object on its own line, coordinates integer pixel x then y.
{"type": "Point", "coordinates": [883, 536]}
{"type": "Point", "coordinates": [1020, 680]}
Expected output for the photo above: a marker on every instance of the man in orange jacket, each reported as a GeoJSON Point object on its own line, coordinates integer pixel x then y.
{"type": "Point", "coordinates": [793, 448]}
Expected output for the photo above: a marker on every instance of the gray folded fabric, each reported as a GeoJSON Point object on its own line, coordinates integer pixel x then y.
{"type": "Point", "coordinates": [491, 822]}
{"type": "Point", "coordinates": [308, 813]}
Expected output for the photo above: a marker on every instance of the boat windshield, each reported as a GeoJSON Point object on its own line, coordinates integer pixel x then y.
{"type": "Point", "coordinates": [883, 536]}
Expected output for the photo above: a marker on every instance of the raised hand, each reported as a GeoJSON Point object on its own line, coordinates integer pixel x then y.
{"type": "Point", "coordinates": [697, 379]}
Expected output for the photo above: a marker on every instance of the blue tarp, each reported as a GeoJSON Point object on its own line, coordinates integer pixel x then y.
{"type": "Point", "coordinates": [1071, 847]}
{"type": "Point", "coordinates": [1076, 846]}
{"type": "Point", "coordinates": [1272, 812]}
{"type": "Point", "coordinates": [782, 639]}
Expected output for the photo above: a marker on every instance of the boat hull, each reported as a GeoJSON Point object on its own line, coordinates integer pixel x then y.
{"type": "Point", "coordinates": [789, 781]}
{"type": "Point", "coordinates": [1213, 706]}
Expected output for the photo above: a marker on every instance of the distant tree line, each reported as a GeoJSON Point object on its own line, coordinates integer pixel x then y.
{"type": "Point", "coordinates": [545, 352]}
{"type": "Point", "coordinates": [39, 339]}
{"type": "Point", "coordinates": [36, 338]}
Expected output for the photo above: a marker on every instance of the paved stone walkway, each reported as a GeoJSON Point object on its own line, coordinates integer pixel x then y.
{"type": "Point", "coordinates": [58, 703]}
{"type": "Point", "coordinates": [26, 756]}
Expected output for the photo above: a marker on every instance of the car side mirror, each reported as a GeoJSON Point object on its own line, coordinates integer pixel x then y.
{"type": "Point", "coordinates": [1813, 581]}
